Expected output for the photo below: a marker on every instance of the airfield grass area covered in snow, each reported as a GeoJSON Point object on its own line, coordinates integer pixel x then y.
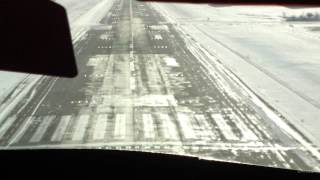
{"type": "Point", "coordinates": [276, 58]}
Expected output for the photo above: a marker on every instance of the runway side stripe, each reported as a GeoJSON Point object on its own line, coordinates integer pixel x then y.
{"type": "Point", "coordinates": [6, 125]}
{"type": "Point", "coordinates": [23, 130]}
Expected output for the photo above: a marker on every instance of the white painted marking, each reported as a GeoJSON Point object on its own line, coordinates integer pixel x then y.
{"type": "Point", "coordinates": [61, 128]}
{"type": "Point", "coordinates": [247, 134]}
{"type": "Point", "coordinates": [131, 24]}
{"type": "Point", "coordinates": [224, 127]}
{"type": "Point", "coordinates": [171, 61]}
{"type": "Point", "coordinates": [42, 128]}
{"type": "Point", "coordinates": [186, 126]}
{"type": "Point", "coordinates": [100, 127]}
{"type": "Point", "coordinates": [159, 27]}
{"type": "Point", "coordinates": [169, 129]}
{"type": "Point", "coordinates": [282, 159]}
{"type": "Point", "coordinates": [206, 128]}
{"type": "Point", "coordinates": [120, 126]}
{"type": "Point", "coordinates": [132, 68]}
{"type": "Point", "coordinates": [26, 125]}
{"type": "Point", "coordinates": [158, 37]}
{"type": "Point", "coordinates": [148, 128]}
{"type": "Point", "coordinates": [132, 83]}
{"type": "Point", "coordinates": [104, 36]}
{"type": "Point", "coordinates": [6, 125]}
{"type": "Point", "coordinates": [156, 101]}
{"type": "Point", "coordinates": [81, 127]}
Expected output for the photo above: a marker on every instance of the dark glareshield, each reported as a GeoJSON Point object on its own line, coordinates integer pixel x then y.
{"type": "Point", "coordinates": [250, 2]}
{"type": "Point", "coordinates": [35, 38]}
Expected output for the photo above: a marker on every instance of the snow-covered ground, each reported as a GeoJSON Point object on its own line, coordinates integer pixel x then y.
{"type": "Point", "coordinates": [279, 60]}
{"type": "Point", "coordinates": [75, 8]}
{"type": "Point", "coordinates": [233, 13]}
{"type": "Point", "coordinates": [82, 14]}
{"type": "Point", "coordinates": [8, 81]}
